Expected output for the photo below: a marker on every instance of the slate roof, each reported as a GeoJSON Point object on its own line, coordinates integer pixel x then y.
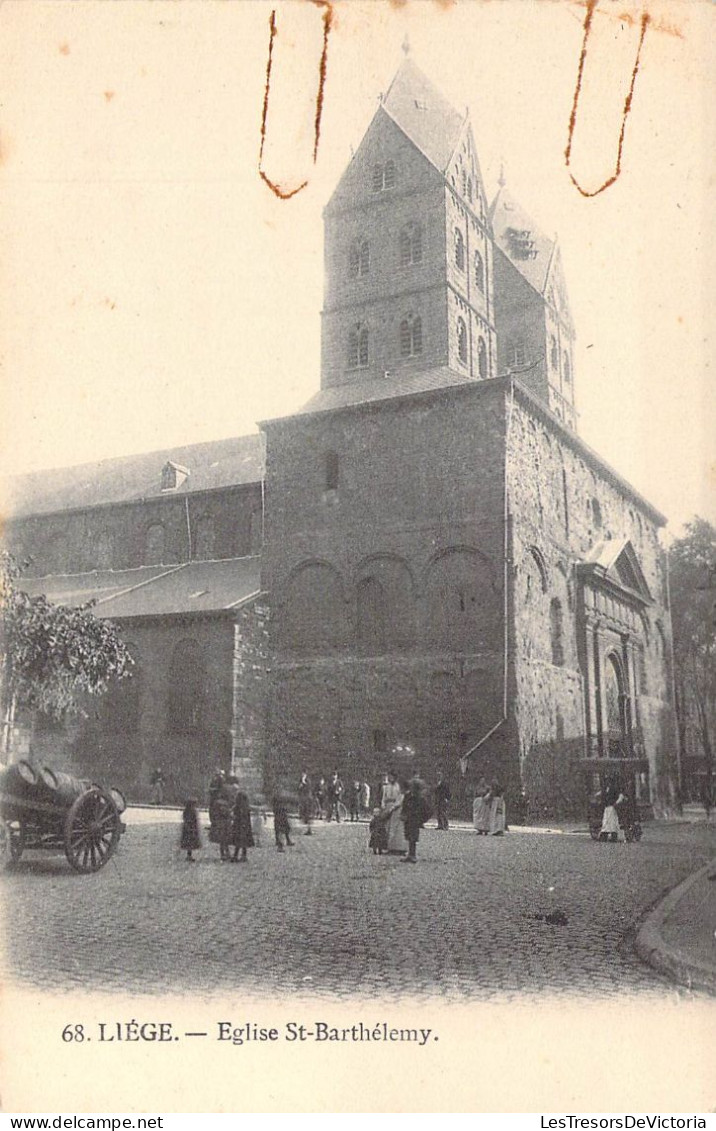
{"type": "Point", "coordinates": [383, 388]}
{"type": "Point", "coordinates": [194, 587]}
{"type": "Point", "coordinates": [424, 114]}
{"type": "Point", "coordinates": [218, 463]}
{"type": "Point", "coordinates": [506, 214]}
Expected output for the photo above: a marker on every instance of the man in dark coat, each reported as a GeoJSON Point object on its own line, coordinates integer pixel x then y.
{"type": "Point", "coordinates": [414, 814]}
{"type": "Point", "coordinates": [242, 834]}
{"type": "Point", "coordinates": [281, 826]}
{"type": "Point", "coordinates": [443, 795]}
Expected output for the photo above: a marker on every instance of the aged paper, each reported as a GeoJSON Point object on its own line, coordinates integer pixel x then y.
{"type": "Point", "coordinates": [162, 282]}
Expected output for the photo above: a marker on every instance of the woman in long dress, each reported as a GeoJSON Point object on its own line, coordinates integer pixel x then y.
{"type": "Point", "coordinates": [498, 819]}
{"type": "Point", "coordinates": [481, 807]}
{"type": "Point", "coordinates": [391, 803]}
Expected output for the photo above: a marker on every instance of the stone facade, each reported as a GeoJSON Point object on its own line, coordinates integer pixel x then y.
{"type": "Point", "coordinates": [450, 580]}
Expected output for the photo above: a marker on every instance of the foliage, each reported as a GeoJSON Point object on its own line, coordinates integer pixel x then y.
{"type": "Point", "coordinates": [52, 654]}
{"type": "Point", "coordinates": [692, 562]}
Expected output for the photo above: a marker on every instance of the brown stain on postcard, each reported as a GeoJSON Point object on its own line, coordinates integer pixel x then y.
{"type": "Point", "coordinates": [588, 20]}
{"type": "Point", "coordinates": [328, 20]}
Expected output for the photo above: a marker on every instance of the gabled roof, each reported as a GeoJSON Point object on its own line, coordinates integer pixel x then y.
{"type": "Point", "coordinates": [424, 114]}
{"type": "Point", "coordinates": [615, 559]}
{"type": "Point", "coordinates": [194, 587]}
{"type": "Point", "coordinates": [530, 253]}
{"type": "Point", "coordinates": [218, 463]}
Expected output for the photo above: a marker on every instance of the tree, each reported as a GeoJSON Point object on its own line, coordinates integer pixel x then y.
{"type": "Point", "coordinates": [52, 655]}
{"type": "Point", "coordinates": [692, 561]}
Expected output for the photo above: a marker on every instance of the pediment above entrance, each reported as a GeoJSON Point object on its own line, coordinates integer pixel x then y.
{"type": "Point", "coordinates": [614, 565]}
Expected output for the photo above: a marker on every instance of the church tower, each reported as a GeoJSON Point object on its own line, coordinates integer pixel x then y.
{"type": "Point", "coordinates": [408, 248]}
{"type": "Point", "coordinates": [535, 332]}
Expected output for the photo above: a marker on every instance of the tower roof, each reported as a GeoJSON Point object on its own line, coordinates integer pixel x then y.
{"type": "Point", "coordinates": [521, 240]}
{"type": "Point", "coordinates": [424, 114]}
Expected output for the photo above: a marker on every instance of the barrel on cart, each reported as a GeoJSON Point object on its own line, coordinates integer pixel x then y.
{"type": "Point", "coordinates": [50, 810]}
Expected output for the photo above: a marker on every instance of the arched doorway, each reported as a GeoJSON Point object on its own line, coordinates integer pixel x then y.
{"type": "Point", "coordinates": [615, 702]}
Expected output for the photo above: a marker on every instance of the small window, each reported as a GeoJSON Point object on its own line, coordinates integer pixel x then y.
{"type": "Point", "coordinates": [554, 354]}
{"type": "Point", "coordinates": [596, 514]}
{"type": "Point", "coordinates": [332, 471]}
{"type": "Point", "coordinates": [383, 176]}
{"type": "Point", "coordinates": [479, 272]}
{"type": "Point", "coordinates": [411, 336]}
{"type": "Point", "coordinates": [358, 347]}
{"type": "Point", "coordinates": [154, 544]}
{"type": "Point", "coordinates": [481, 358]}
{"type": "Point", "coordinates": [359, 258]}
{"type": "Point", "coordinates": [462, 341]}
{"type": "Point", "coordinates": [469, 189]}
{"type": "Point", "coordinates": [459, 250]}
{"type": "Point", "coordinates": [464, 182]}
{"type": "Point", "coordinates": [567, 369]}
{"type": "Point", "coordinates": [516, 354]}
{"type": "Point", "coordinates": [411, 245]}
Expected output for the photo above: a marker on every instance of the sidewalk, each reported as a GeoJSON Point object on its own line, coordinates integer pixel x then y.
{"type": "Point", "coordinates": [678, 937]}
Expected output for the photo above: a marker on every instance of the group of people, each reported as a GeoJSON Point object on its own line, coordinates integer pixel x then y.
{"type": "Point", "coordinates": [396, 823]}
{"type": "Point", "coordinates": [232, 823]}
{"type": "Point", "coordinates": [489, 815]}
{"type": "Point", "coordinates": [326, 800]}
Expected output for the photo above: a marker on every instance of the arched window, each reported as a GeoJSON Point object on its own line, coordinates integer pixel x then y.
{"type": "Point", "coordinates": [205, 538]}
{"type": "Point", "coordinates": [411, 336]}
{"type": "Point", "coordinates": [554, 353]}
{"type": "Point", "coordinates": [186, 706]}
{"type": "Point", "coordinates": [411, 245]}
{"type": "Point", "coordinates": [332, 471]}
{"type": "Point", "coordinates": [359, 258]}
{"type": "Point", "coordinates": [358, 347]}
{"type": "Point", "coordinates": [154, 544]}
{"type": "Point", "coordinates": [479, 272]}
{"type": "Point", "coordinates": [462, 341]}
{"type": "Point", "coordinates": [459, 250]}
{"type": "Point", "coordinates": [567, 369]}
{"type": "Point", "coordinates": [481, 358]}
{"type": "Point", "coordinates": [596, 514]}
{"type": "Point", "coordinates": [371, 615]}
{"type": "Point", "coordinates": [555, 632]}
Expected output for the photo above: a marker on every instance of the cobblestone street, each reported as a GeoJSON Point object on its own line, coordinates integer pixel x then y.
{"type": "Point", "coordinates": [328, 918]}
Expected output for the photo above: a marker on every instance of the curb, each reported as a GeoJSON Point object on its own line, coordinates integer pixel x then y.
{"type": "Point", "coordinates": [675, 963]}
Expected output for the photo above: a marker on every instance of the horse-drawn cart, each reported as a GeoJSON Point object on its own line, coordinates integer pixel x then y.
{"type": "Point", "coordinates": [44, 809]}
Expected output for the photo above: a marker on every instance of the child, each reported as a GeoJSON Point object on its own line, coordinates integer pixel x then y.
{"type": "Point", "coordinates": [190, 838]}
{"type": "Point", "coordinates": [281, 826]}
{"type": "Point", "coordinates": [378, 833]}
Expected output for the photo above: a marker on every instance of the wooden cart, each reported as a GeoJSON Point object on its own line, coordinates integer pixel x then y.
{"type": "Point", "coordinates": [47, 810]}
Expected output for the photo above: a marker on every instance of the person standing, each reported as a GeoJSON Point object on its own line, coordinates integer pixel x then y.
{"type": "Point", "coordinates": [498, 814]}
{"type": "Point", "coordinates": [242, 834]}
{"type": "Point", "coordinates": [481, 807]}
{"type": "Point", "coordinates": [190, 836]}
{"type": "Point", "coordinates": [443, 795]}
{"type": "Point", "coordinates": [365, 797]}
{"type": "Point", "coordinates": [305, 802]}
{"type": "Point", "coordinates": [391, 802]}
{"type": "Point", "coordinates": [320, 795]}
{"type": "Point", "coordinates": [354, 796]}
{"type": "Point", "coordinates": [335, 794]}
{"type": "Point", "coordinates": [157, 783]}
{"type": "Point", "coordinates": [414, 813]}
{"type": "Point", "coordinates": [281, 825]}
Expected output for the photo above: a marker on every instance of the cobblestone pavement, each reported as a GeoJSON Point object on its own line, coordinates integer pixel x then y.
{"type": "Point", "coordinates": [327, 918]}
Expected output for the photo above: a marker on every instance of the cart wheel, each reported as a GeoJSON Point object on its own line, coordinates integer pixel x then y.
{"type": "Point", "coordinates": [92, 830]}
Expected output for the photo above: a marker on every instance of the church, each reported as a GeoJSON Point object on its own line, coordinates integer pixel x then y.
{"type": "Point", "coordinates": [423, 569]}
